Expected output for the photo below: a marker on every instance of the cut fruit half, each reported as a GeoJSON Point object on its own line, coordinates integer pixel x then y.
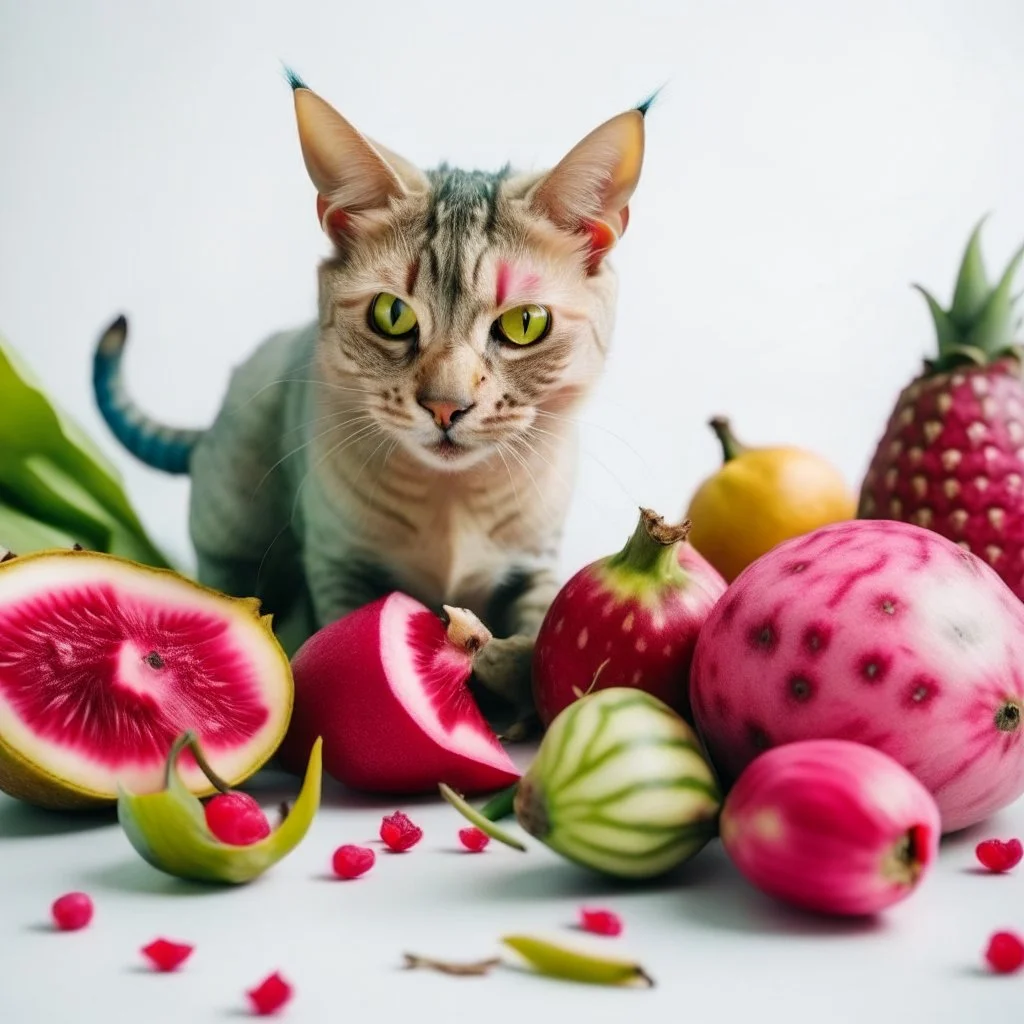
{"type": "Point", "coordinates": [386, 687]}
{"type": "Point", "coordinates": [103, 662]}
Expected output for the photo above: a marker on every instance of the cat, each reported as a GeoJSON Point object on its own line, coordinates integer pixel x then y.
{"type": "Point", "coordinates": [419, 434]}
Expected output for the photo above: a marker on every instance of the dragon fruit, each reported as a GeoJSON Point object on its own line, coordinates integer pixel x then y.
{"type": "Point", "coordinates": [879, 632]}
{"type": "Point", "coordinates": [628, 619]}
{"type": "Point", "coordinates": [832, 826]}
{"type": "Point", "coordinates": [952, 455]}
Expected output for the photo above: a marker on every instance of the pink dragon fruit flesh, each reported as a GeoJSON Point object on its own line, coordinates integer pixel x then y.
{"type": "Point", "coordinates": [879, 632]}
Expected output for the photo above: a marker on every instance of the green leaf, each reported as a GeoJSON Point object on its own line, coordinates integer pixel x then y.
{"type": "Point", "coordinates": [972, 287]}
{"type": "Point", "coordinates": [19, 532]}
{"type": "Point", "coordinates": [946, 331]}
{"type": "Point", "coordinates": [993, 330]}
{"type": "Point", "coordinates": [50, 471]}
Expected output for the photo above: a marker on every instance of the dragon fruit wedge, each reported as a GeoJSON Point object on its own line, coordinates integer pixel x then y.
{"type": "Point", "coordinates": [879, 632]}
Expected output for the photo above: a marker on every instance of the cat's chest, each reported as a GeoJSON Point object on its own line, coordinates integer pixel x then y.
{"type": "Point", "coordinates": [445, 542]}
{"type": "Point", "coordinates": [461, 551]}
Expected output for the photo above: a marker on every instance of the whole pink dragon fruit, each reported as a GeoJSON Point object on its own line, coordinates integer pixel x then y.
{"type": "Point", "coordinates": [832, 826]}
{"type": "Point", "coordinates": [878, 632]}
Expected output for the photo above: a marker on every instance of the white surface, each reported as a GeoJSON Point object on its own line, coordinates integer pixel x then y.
{"type": "Point", "coordinates": [806, 162]}
{"type": "Point", "coordinates": [719, 951]}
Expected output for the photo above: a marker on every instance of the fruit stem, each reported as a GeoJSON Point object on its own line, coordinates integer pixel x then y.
{"type": "Point", "coordinates": [465, 631]}
{"type": "Point", "coordinates": [191, 740]}
{"type": "Point", "coordinates": [731, 448]}
{"type": "Point", "coordinates": [500, 806]}
{"type": "Point", "coordinates": [652, 548]}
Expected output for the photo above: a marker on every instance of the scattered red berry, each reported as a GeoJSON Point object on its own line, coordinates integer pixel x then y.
{"type": "Point", "coordinates": [72, 911]}
{"type": "Point", "coordinates": [998, 856]}
{"type": "Point", "coordinates": [166, 955]}
{"type": "Point", "coordinates": [473, 839]}
{"type": "Point", "coordinates": [237, 819]}
{"type": "Point", "coordinates": [270, 995]}
{"type": "Point", "coordinates": [600, 922]}
{"type": "Point", "coordinates": [352, 861]}
{"type": "Point", "coordinates": [399, 833]}
{"type": "Point", "coordinates": [1005, 953]}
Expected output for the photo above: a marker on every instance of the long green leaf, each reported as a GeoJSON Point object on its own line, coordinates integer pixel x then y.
{"type": "Point", "coordinates": [65, 463]}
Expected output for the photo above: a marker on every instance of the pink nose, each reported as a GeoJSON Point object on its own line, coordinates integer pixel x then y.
{"type": "Point", "coordinates": [445, 413]}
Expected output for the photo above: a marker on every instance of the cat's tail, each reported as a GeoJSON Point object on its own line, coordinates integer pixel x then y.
{"type": "Point", "coordinates": [166, 448]}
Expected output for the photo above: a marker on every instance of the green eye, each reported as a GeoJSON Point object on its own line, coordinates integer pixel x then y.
{"type": "Point", "coordinates": [392, 317]}
{"type": "Point", "coordinates": [523, 325]}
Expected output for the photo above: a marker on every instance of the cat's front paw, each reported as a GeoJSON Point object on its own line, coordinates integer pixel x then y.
{"type": "Point", "coordinates": [503, 678]}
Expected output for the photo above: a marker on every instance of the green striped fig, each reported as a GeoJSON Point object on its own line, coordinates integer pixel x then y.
{"type": "Point", "coordinates": [620, 785]}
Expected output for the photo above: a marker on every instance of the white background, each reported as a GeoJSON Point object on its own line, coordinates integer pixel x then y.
{"type": "Point", "coordinates": [805, 163]}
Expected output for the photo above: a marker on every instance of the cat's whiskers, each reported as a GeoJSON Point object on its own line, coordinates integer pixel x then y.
{"type": "Point", "coordinates": [352, 438]}
{"type": "Point", "coordinates": [498, 445]}
{"type": "Point", "coordinates": [305, 444]}
{"type": "Point", "coordinates": [380, 475]}
{"type": "Point", "coordinates": [524, 462]}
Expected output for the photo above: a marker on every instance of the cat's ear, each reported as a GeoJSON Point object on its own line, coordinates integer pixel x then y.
{"type": "Point", "coordinates": [352, 175]}
{"type": "Point", "coordinates": [588, 191]}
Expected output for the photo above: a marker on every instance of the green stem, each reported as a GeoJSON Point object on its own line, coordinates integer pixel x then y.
{"type": "Point", "coordinates": [731, 448]}
{"type": "Point", "coordinates": [191, 740]}
{"type": "Point", "coordinates": [500, 806]}
{"type": "Point", "coordinates": [651, 551]}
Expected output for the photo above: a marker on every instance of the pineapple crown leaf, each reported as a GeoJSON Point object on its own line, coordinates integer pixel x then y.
{"type": "Point", "coordinates": [972, 287]}
{"type": "Point", "coordinates": [979, 325]}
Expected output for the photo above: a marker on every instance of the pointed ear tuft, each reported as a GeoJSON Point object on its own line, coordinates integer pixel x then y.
{"type": "Point", "coordinates": [352, 177]}
{"type": "Point", "coordinates": [588, 191]}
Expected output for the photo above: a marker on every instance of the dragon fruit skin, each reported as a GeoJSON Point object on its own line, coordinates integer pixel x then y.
{"type": "Point", "coordinates": [879, 632]}
{"type": "Point", "coordinates": [831, 826]}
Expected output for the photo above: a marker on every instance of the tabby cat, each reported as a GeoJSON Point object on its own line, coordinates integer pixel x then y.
{"type": "Point", "coordinates": [419, 434]}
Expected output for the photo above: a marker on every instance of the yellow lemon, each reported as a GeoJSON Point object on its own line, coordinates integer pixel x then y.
{"type": "Point", "coordinates": [761, 497]}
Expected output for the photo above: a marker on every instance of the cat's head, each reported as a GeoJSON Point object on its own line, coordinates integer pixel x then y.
{"type": "Point", "coordinates": [461, 307]}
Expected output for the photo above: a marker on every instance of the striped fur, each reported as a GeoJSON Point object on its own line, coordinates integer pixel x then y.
{"type": "Point", "coordinates": [162, 447]}
{"type": "Point", "coordinates": [321, 484]}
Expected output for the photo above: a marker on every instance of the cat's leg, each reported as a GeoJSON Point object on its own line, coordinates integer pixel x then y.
{"type": "Point", "coordinates": [505, 665]}
{"type": "Point", "coordinates": [342, 581]}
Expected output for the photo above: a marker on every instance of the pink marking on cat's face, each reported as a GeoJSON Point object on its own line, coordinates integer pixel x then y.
{"type": "Point", "coordinates": [514, 282]}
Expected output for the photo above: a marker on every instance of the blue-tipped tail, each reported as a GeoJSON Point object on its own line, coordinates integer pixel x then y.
{"type": "Point", "coordinates": [161, 447]}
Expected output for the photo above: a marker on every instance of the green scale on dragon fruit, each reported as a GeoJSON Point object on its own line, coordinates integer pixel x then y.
{"type": "Point", "coordinates": [878, 632]}
{"type": "Point", "coordinates": [952, 455]}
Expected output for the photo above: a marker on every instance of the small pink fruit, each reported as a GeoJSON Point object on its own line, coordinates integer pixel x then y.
{"type": "Point", "coordinates": [236, 818]}
{"type": "Point", "coordinates": [72, 911]}
{"type": "Point", "coordinates": [1005, 953]}
{"type": "Point", "coordinates": [270, 995]}
{"type": "Point", "coordinates": [998, 856]}
{"type": "Point", "coordinates": [386, 686]}
{"type": "Point", "coordinates": [831, 825]}
{"type": "Point", "coordinates": [879, 632]}
{"type": "Point", "coordinates": [399, 833]}
{"type": "Point", "coordinates": [352, 861]}
{"type": "Point", "coordinates": [166, 955]}
{"type": "Point", "coordinates": [473, 839]}
{"type": "Point", "coordinates": [600, 922]}
{"type": "Point", "coordinates": [629, 619]}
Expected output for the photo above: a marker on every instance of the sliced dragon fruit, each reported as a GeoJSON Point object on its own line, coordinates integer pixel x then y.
{"type": "Point", "coordinates": [386, 688]}
{"type": "Point", "coordinates": [103, 662]}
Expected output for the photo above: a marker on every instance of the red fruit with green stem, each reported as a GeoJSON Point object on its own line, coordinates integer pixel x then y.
{"type": "Point", "coordinates": [629, 619]}
{"type": "Point", "coordinates": [952, 456]}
